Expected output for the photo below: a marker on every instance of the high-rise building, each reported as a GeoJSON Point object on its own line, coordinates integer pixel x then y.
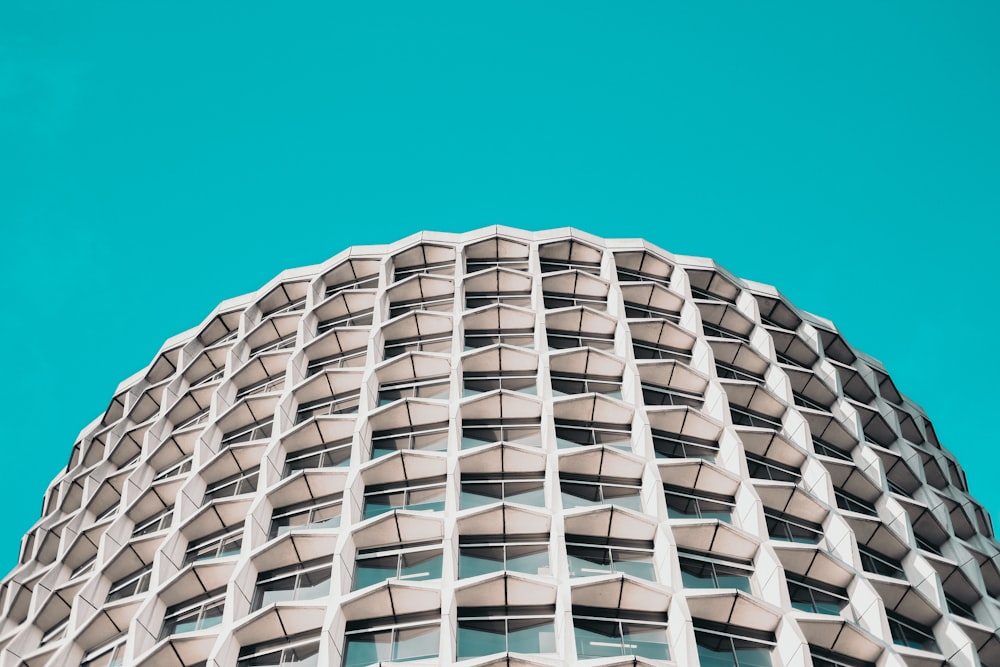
{"type": "Point", "coordinates": [508, 448]}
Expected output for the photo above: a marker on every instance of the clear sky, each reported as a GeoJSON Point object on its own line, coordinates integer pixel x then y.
{"type": "Point", "coordinates": [159, 157]}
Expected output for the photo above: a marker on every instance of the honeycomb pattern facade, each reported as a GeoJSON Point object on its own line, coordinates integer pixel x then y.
{"type": "Point", "coordinates": [507, 448]}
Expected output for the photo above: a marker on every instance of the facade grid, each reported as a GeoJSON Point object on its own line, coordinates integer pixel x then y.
{"type": "Point", "coordinates": [508, 448]}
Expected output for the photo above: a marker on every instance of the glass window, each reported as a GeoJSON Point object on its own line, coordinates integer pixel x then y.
{"type": "Point", "coordinates": [273, 383]}
{"type": "Point", "coordinates": [55, 633]}
{"type": "Point", "coordinates": [675, 446]}
{"type": "Point", "coordinates": [906, 632]}
{"type": "Point", "coordinates": [480, 554]}
{"type": "Point", "coordinates": [824, 658]}
{"type": "Point", "coordinates": [199, 417]}
{"type": "Point", "coordinates": [746, 417]}
{"type": "Point", "coordinates": [565, 384]}
{"type": "Point", "coordinates": [256, 431]}
{"type": "Point", "coordinates": [474, 264]}
{"type": "Point", "coordinates": [608, 633]}
{"type": "Point", "coordinates": [646, 350]}
{"type": "Point", "coordinates": [699, 570]}
{"type": "Point", "coordinates": [852, 503]}
{"type": "Point", "coordinates": [478, 432]}
{"type": "Point", "coordinates": [179, 468]}
{"type": "Point", "coordinates": [430, 343]}
{"type": "Point", "coordinates": [729, 646]}
{"type": "Point", "coordinates": [824, 448]}
{"type": "Point", "coordinates": [789, 528]}
{"type": "Point", "coordinates": [585, 490]}
{"type": "Point", "coordinates": [479, 382]}
{"type": "Point", "coordinates": [878, 563]}
{"type": "Point", "coordinates": [643, 311]}
{"type": "Point", "coordinates": [583, 434]}
{"type": "Point", "coordinates": [591, 556]}
{"type": "Point", "coordinates": [418, 495]}
{"type": "Point", "coordinates": [157, 522]}
{"type": "Point", "coordinates": [334, 454]}
{"type": "Point", "coordinates": [282, 343]}
{"type": "Point", "coordinates": [401, 642]}
{"type": "Point", "coordinates": [814, 596]}
{"type": "Point", "coordinates": [285, 652]}
{"type": "Point", "coordinates": [484, 630]}
{"type": "Point", "coordinates": [416, 562]}
{"type": "Point", "coordinates": [433, 387]}
{"type": "Point", "coordinates": [443, 268]}
{"type": "Point", "coordinates": [198, 614]}
{"type": "Point", "coordinates": [426, 437]}
{"type": "Point", "coordinates": [685, 503]}
{"type": "Point", "coordinates": [716, 331]}
{"type": "Point", "coordinates": [480, 299]}
{"type": "Point", "coordinates": [361, 318]}
{"type": "Point", "coordinates": [363, 282]}
{"type": "Point", "coordinates": [111, 654]}
{"type": "Point", "coordinates": [347, 359]}
{"type": "Point", "coordinates": [562, 340]}
{"type": "Point", "coordinates": [480, 489]}
{"type": "Point", "coordinates": [131, 584]}
{"type": "Point", "coordinates": [344, 404]}
{"type": "Point", "coordinates": [958, 607]}
{"type": "Point", "coordinates": [316, 514]}
{"type": "Point", "coordinates": [218, 545]}
{"type": "Point", "coordinates": [554, 300]}
{"type": "Point", "coordinates": [243, 482]}
{"type": "Point", "coordinates": [655, 395]}
{"type": "Point", "coordinates": [730, 372]}
{"type": "Point", "coordinates": [476, 338]}
{"type": "Point", "coordinates": [764, 468]}
{"type": "Point", "coordinates": [301, 581]}
{"type": "Point", "coordinates": [441, 303]}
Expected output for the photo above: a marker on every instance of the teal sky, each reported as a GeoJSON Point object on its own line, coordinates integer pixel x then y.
{"type": "Point", "coordinates": [159, 157]}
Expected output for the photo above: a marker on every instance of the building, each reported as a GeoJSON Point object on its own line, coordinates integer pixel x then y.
{"type": "Point", "coordinates": [508, 448]}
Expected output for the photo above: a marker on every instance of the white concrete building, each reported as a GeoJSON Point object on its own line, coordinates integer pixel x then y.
{"type": "Point", "coordinates": [507, 448]}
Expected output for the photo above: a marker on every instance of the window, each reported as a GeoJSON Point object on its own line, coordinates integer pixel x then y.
{"type": "Point", "coordinates": [282, 343]}
{"type": "Point", "coordinates": [435, 387]}
{"type": "Point", "coordinates": [327, 455]}
{"type": "Point", "coordinates": [266, 385]}
{"type": "Point", "coordinates": [626, 275]}
{"type": "Point", "coordinates": [746, 417]}
{"type": "Point", "coordinates": [561, 340]}
{"type": "Point", "coordinates": [475, 338]}
{"type": "Point", "coordinates": [106, 514]}
{"type": "Point", "coordinates": [815, 597]}
{"type": "Point", "coordinates": [415, 562]}
{"type": "Point", "coordinates": [906, 632]}
{"type": "Point", "coordinates": [654, 395]}
{"type": "Point", "coordinates": [479, 382]}
{"type": "Point", "coordinates": [958, 607]}
{"type": "Point", "coordinates": [243, 482]}
{"type": "Point", "coordinates": [927, 545]}
{"type": "Point", "coordinates": [645, 311]}
{"type": "Point", "coordinates": [824, 448]}
{"type": "Point", "coordinates": [585, 490]}
{"type": "Point", "coordinates": [730, 372]}
{"type": "Point", "coordinates": [790, 528]}
{"type": "Point", "coordinates": [552, 265]}
{"type": "Point", "coordinates": [474, 264]}
{"type": "Point", "coordinates": [646, 350]}
{"type": "Point", "coordinates": [200, 613]}
{"type": "Point", "coordinates": [554, 300]}
{"type": "Point", "coordinates": [482, 554]}
{"type": "Point", "coordinates": [256, 431]}
{"type": "Point", "coordinates": [684, 503]}
{"type": "Point", "coordinates": [878, 563]}
{"type": "Point", "coordinates": [406, 638]}
{"type": "Point", "coordinates": [315, 514]}
{"type": "Point", "coordinates": [344, 404]}
{"type": "Point", "coordinates": [111, 654]}
{"type": "Point", "coordinates": [290, 307]}
{"type": "Point", "coordinates": [301, 581]}
{"type": "Point", "coordinates": [429, 343]}
{"type": "Point", "coordinates": [364, 282]}
{"type": "Point", "coordinates": [211, 377]}
{"type": "Point", "coordinates": [824, 658]}
{"type": "Point", "coordinates": [218, 545]}
{"type": "Point", "coordinates": [488, 630]}
{"type": "Point", "coordinates": [607, 633]}
{"type": "Point", "coordinates": [764, 468]}
{"type": "Point", "coordinates": [442, 303]}
{"type": "Point", "coordinates": [582, 434]}
{"type": "Point", "coordinates": [157, 522]}
{"type": "Point", "coordinates": [480, 489]}
{"type": "Point", "coordinates": [362, 318]}
{"type": "Point", "coordinates": [703, 294]}
{"type": "Point", "coordinates": [716, 331]}
{"type": "Point", "coordinates": [852, 503]}
{"type": "Point", "coordinates": [480, 299]}
{"type": "Point", "coordinates": [445, 268]}
{"type": "Point", "coordinates": [804, 401]}
{"type": "Point", "coordinates": [55, 633]}
{"type": "Point", "coordinates": [84, 567]}
{"type": "Point", "coordinates": [676, 446]}
{"type": "Point", "coordinates": [731, 646]}
{"type": "Point", "coordinates": [477, 432]}
{"type": "Point", "coordinates": [285, 652]}
{"type": "Point", "coordinates": [426, 437]}
{"type": "Point", "coordinates": [179, 468]}
{"type": "Point", "coordinates": [419, 495]}
{"type": "Point", "coordinates": [591, 556]}
{"type": "Point", "coordinates": [199, 417]}
{"type": "Point", "coordinates": [564, 384]}
{"type": "Point", "coordinates": [700, 570]}
{"type": "Point", "coordinates": [346, 359]}
{"type": "Point", "coordinates": [131, 584]}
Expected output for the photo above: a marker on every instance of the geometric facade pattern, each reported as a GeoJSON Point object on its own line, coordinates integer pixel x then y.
{"type": "Point", "coordinates": [508, 448]}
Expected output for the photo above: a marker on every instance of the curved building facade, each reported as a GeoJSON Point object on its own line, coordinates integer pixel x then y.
{"type": "Point", "coordinates": [507, 448]}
